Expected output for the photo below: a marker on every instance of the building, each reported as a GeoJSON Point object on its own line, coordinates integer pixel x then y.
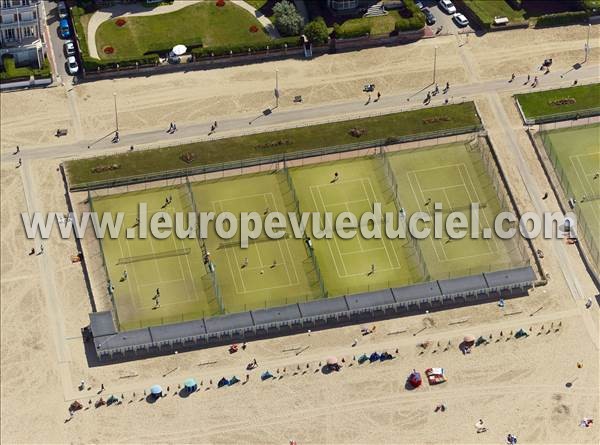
{"type": "Point", "coordinates": [22, 31]}
{"type": "Point", "coordinates": [342, 5]}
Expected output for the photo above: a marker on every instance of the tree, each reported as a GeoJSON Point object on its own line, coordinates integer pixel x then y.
{"type": "Point", "coordinates": [287, 19]}
{"type": "Point", "coordinates": [316, 31]}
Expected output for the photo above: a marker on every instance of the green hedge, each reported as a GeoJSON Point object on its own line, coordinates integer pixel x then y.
{"type": "Point", "coordinates": [564, 18]}
{"type": "Point", "coordinates": [244, 47]}
{"type": "Point", "coordinates": [351, 28]}
{"type": "Point", "coordinates": [417, 21]}
{"type": "Point", "coordinates": [92, 64]}
{"type": "Point", "coordinates": [11, 72]}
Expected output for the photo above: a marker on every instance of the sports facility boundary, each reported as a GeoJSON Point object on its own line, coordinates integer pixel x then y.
{"type": "Point", "coordinates": [110, 345]}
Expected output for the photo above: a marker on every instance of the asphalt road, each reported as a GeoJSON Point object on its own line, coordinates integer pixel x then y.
{"type": "Point", "coordinates": [56, 44]}
{"type": "Point", "coordinates": [443, 19]}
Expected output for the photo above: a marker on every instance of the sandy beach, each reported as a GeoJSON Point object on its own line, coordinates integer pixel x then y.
{"type": "Point", "coordinates": [530, 387]}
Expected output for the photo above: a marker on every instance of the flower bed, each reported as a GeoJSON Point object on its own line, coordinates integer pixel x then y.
{"type": "Point", "coordinates": [108, 50]}
{"type": "Point", "coordinates": [120, 22]}
{"type": "Point", "coordinates": [220, 3]}
{"type": "Point", "coordinates": [254, 28]}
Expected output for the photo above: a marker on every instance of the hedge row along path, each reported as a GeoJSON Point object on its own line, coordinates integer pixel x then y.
{"type": "Point", "coordinates": [138, 10]}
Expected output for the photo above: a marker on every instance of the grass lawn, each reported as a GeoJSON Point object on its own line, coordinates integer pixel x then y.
{"type": "Point", "coordinates": [172, 265]}
{"type": "Point", "coordinates": [546, 103]}
{"type": "Point", "coordinates": [575, 153]}
{"type": "Point", "coordinates": [9, 71]}
{"type": "Point", "coordinates": [379, 25]}
{"type": "Point", "coordinates": [414, 122]}
{"type": "Point", "coordinates": [259, 284]}
{"type": "Point", "coordinates": [486, 10]}
{"type": "Point", "coordinates": [455, 176]}
{"type": "Point", "coordinates": [198, 23]}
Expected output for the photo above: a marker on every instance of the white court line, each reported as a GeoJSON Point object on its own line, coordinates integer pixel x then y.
{"type": "Point", "coordinates": [353, 252]}
{"type": "Point", "coordinates": [382, 241]}
{"type": "Point", "coordinates": [231, 267]}
{"type": "Point", "coordinates": [435, 189]}
{"type": "Point", "coordinates": [337, 269]}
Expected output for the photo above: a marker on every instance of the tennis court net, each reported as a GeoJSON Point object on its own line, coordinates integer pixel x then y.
{"type": "Point", "coordinates": [154, 256]}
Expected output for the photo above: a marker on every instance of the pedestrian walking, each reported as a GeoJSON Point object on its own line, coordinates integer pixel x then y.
{"type": "Point", "coordinates": [545, 195]}
{"type": "Point", "coordinates": [131, 148]}
{"type": "Point", "coordinates": [336, 176]}
{"type": "Point", "coordinates": [512, 77]}
{"type": "Point", "coordinates": [124, 275]}
{"type": "Point", "coordinates": [41, 249]}
{"type": "Point", "coordinates": [245, 263]}
{"type": "Point", "coordinates": [170, 130]}
{"type": "Point", "coordinates": [447, 86]}
{"type": "Point", "coordinates": [19, 163]}
{"type": "Point", "coordinates": [378, 95]}
{"type": "Point", "coordinates": [157, 292]}
{"type": "Point", "coordinates": [428, 201]}
{"type": "Point", "coordinates": [32, 251]}
{"type": "Point", "coordinates": [372, 269]}
{"type": "Point", "coordinates": [174, 128]}
{"type": "Point", "coordinates": [215, 124]}
{"type": "Point", "coordinates": [18, 150]}
{"type": "Point", "coordinates": [274, 265]}
{"type": "Point", "coordinates": [528, 78]}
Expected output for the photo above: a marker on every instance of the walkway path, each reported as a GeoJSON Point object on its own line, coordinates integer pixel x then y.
{"type": "Point", "coordinates": [138, 10]}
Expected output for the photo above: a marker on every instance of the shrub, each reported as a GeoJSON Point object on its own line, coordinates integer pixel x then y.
{"type": "Point", "coordinates": [244, 47]}
{"type": "Point", "coordinates": [287, 19]}
{"type": "Point", "coordinates": [165, 47]}
{"type": "Point", "coordinates": [416, 21]}
{"type": "Point", "coordinates": [92, 64]}
{"type": "Point", "coordinates": [564, 18]}
{"type": "Point", "coordinates": [316, 31]}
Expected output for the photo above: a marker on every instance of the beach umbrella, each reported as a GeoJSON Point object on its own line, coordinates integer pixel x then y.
{"type": "Point", "coordinates": [469, 339]}
{"type": "Point", "coordinates": [332, 360]}
{"type": "Point", "coordinates": [156, 390]}
{"type": "Point", "coordinates": [190, 384]}
{"type": "Point", "coordinates": [179, 50]}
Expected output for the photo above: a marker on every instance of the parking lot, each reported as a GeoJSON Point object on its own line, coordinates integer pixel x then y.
{"type": "Point", "coordinates": [443, 19]}
{"type": "Point", "coordinates": [56, 42]}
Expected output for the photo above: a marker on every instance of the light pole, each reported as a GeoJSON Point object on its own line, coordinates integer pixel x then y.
{"type": "Point", "coordinates": [276, 88]}
{"type": "Point", "coordinates": [116, 114]}
{"type": "Point", "coordinates": [434, 63]}
{"type": "Point", "coordinates": [587, 45]}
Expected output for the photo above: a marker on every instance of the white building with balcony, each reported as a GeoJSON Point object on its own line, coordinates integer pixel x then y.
{"type": "Point", "coordinates": [22, 31]}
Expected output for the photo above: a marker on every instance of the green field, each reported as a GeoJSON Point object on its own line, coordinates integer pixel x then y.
{"type": "Point", "coordinates": [396, 125]}
{"type": "Point", "coordinates": [455, 176]}
{"type": "Point", "coordinates": [346, 263]}
{"type": "Point", "coordinates": [487, 10]}
{"type": "Point", "coordinates": [575, 154]}
{"type": "Point", "coordinates": [202, 22]}
{"type": "Point", "coordinates": [270, 273]}
{"type": "Point", "coordinates": [278, 272]}
{"type": "Point", "coordinates": [564, 100]}
{"type": "Point", "coordinates": [172, 265]}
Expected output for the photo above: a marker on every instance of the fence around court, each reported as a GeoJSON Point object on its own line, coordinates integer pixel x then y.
{"type": "Point", "coordinates": [584, 227]}
{"type": "Point", "coordinates": [557, 117]}
{"type": "Point", "coordinates": [309, 249]}
{"type": "Point", "coordinates": [393, 184]}
{"type": "Point", "coordinates": [255, 164]}
{"type": "Point", "coordinates": [109, 287]}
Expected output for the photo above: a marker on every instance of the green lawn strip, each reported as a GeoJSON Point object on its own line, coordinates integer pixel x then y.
{"type": "Point", "coordinates": [401, 124]}
{"type": "Point", "coordinates": [198, 23]}
{"type": "Point", "coordinates": [8, 70]}
{"type": "Point", "coordinates": [546, 103]}
{"type": "Point", "coordinates": [486, 10]}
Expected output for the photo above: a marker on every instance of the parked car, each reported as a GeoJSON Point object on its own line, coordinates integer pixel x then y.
{"type": "Point", "coordinates": [72, 64]}
{"type": "Point", "coordinates": [460, 19]}
{"type": "Point", "coordinates": [429, 17]}
{"type": "Point", "coordinates": [65, 31]}
{"type": "Point", "coordinates": [62, 10]}
{"type": "Point", "coordinates": [419, 5]}
{"type": "Point", "coordinates": [435, 375]}
{"type": "Point", "coordinates": [69, 48]}
{"type": "Point", "coordinates": [447, 6]}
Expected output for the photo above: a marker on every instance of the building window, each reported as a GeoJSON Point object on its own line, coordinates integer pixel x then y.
{"type": "Point", "coordinates": [28, 32]}
{"type": "Point", "coordinates": [6, 3]}
{"type": "Point", "coordinates": [9, 34]}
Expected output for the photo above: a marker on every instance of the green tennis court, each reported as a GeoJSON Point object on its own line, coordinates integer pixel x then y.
{"type": "Point", "coordinates": [268, 272]}
{"type": "Point", "coordinates": [575, 154]}
{"type": "Point", "coordinates": [455, 176]}
{"type": "Point", "coordinates": [138, 267]}
{"type": "Point", "coordinates": [346, 264]}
